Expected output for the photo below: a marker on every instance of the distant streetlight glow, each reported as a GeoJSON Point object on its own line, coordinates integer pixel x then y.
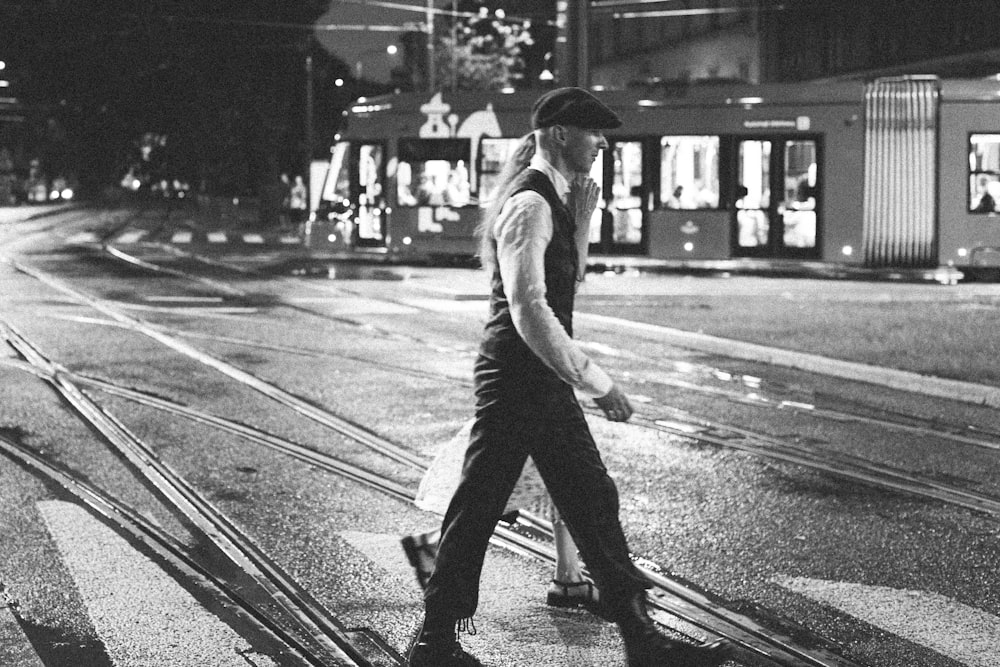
{"type": "Point", "coordinates": [338, 83]}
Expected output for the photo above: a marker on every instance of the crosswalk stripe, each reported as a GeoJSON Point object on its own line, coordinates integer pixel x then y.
{"type": "Point", "coordinates": [141, 614]}
{"type": "Point", "coordinates": [522, 630]}
{"type": "Point", "coordinates": [962, 633]}
{"type": "Point", "coordinates": [132, 236]}
{"type": "Point", "coordinates": [14, 645]}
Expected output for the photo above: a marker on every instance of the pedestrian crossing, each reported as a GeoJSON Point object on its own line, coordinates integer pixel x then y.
{"type": "Point", "coordinates": [186, 237]}
{"type": "Point", "coordinates": [142, 615]}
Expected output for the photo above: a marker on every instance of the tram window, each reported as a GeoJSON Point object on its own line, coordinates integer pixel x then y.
{"type": "Point", "coordinates": [799, 206]}
{"type": "Point", "coordinates": [493, 155]}
{"type": "Point", "coordinates": [433, 172]}
{"type": "Point", "coordinates": [337, 187]}
{"type": "Point", "coordinates": [984, 173]}
{"type": "Point", "coordinates": [689, 172]}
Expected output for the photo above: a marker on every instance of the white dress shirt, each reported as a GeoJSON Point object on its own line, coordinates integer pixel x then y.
{"type": "Point", "coordinates": [522, 232]}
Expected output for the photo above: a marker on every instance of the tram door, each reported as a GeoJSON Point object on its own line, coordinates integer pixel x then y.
{"type": "Point", "coordinates": [369, 196]}
{"type": "Point", "coordinates": [777, 198]}
{"type": "Point", "coordinates": [618, 225]}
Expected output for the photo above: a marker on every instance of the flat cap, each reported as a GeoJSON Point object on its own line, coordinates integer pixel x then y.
{"type": "Point", "coordinates": [572, 106]}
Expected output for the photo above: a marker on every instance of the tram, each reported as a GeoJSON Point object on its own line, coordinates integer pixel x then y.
{"type": "Point", "coordinates": [894, 173]}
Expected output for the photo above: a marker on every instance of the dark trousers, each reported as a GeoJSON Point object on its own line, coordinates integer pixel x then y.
{"type": "Point", "coordinates": [517, 416]}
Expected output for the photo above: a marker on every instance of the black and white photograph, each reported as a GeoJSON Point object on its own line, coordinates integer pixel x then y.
{"type": "Point", "coordinates": [499, 333]}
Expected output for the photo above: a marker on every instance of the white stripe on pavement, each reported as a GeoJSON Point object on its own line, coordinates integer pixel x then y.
{"type": "Point", "coordinates": [15, 649]}
{"type": "Point", "coordinates": [962, 633]}
{"type": "Point", "coordinates": [133, 236]}
{"type": "Point", "coordinates": [141, 614]}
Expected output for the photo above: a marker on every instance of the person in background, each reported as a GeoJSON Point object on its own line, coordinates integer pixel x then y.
{"type": "Point", "coordinates": [569, 587]}
{"type": "Point", "coordinates": [526, 375]}
{"type": "Point", "coordinates": [298, 202]}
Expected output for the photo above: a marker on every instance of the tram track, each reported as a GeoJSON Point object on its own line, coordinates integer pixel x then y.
{"type": "Point", "coordinates": [699, 430]}
{"type": "Point", "coordinates": [693, 427]}
{"type": "Point", "coordinates": [757, 397]}
{"type": "Point", "coordinates": [321, 638]}
{"type": "Point", "coordinates": [531, 536]}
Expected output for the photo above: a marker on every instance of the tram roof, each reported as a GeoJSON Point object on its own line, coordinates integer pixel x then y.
{"type": "Point", "coordinates": [700, 94]}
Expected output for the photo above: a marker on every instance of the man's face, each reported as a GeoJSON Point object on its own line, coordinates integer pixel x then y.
{"type": "Point", "coordinates": [581, 147]}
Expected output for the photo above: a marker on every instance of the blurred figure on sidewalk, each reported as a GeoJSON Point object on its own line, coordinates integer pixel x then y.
{"type": "Point", "coordinates": [298, 202]}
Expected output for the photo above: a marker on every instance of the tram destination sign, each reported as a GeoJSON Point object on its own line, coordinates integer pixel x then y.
{"type": "Point", "coordinates": [800, 123]}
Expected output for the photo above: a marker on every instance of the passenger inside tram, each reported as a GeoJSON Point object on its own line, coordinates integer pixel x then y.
{"type": "Point", "coordinates": [988, 196]}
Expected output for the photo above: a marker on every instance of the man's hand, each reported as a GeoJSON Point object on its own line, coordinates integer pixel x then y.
{"type": "Point", "coordinates": [582, 200]}
{"type": "Point", "coordinates": [615, 405]}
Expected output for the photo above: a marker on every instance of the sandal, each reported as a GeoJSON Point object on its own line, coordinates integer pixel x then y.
{"type": "Point", "coordinates": [421, 555]}
{"type": "Point", "coordinates": [559, 596]}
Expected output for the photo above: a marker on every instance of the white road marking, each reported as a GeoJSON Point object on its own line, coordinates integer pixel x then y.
{"type": "Point", "coordinates": [133, 236]}
{"type": "Point", "coordinates": [182, 237]}
{"type": "Point", "coordinates": [140, 613]}
{"type": "Point", "coordinates": [207, 310]}
{"type": "Point", "coordinates": [217, 237]}
{"type": "Point", "coordinates": [82, 238]}
{"type": "Point", "coordinates": [517, 627]}
{"type": "Point", "coordinates": [182, 299]}
{"type": "Point", "coordinates": [964, 634]}
{"type": "Point", "coordinates": [346, 305]}
{"type": "Point", "coordinates": [253, 238]}
{"type": "Point", "coordinates": [14, 645]}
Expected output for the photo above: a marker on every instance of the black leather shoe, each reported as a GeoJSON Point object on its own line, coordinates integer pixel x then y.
{"type": "Point", "coordinates": [439, 649]}
{"type": "Point", "coordinates": [426, 654]}
{"type": "Point", "coordinates": [645, 646]}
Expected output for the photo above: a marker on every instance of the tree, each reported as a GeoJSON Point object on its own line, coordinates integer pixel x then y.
{"type": "Point", "coordinates": [489, 45]}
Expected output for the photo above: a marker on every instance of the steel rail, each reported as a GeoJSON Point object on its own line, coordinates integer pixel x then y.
{"type": "Point", "coordinates": [314, 621]}
{"type": "Point", "coordinates": [296, 403]}
{"type": "Point", "coordinates": [668, 595]}
{"type": "Point", "coordinates": [842, 465]}
{"type": "Point", "coordinates": [164, 545]}
{"type": "Point", "coordinates": [954, 435]}
{"type": "Point", "coordinates": [802, 458]}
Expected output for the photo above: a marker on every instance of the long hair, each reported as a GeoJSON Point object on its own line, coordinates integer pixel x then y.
{"type": "Point", "coordinates": [517, 163]}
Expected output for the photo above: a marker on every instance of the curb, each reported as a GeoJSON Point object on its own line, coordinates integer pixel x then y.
{"type": "Point", "coordinates": [929, 385]}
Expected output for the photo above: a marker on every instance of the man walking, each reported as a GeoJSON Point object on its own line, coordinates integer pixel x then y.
{"type": "Point", "coordinates": [534, 242]}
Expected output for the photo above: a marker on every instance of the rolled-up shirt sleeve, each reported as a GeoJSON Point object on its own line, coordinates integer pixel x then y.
{"type": "Point", "coordinates": [523, 232]}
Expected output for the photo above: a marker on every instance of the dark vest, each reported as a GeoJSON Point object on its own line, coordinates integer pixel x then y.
{"type": "Point", "coordinates": [501, 342]}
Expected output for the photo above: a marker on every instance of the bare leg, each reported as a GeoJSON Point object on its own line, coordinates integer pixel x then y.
{"type": "Point", "coordinates": [569, 588]}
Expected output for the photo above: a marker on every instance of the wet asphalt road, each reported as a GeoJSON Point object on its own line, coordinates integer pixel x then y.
{"type": "Point", "coordinates": [885, 577]}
